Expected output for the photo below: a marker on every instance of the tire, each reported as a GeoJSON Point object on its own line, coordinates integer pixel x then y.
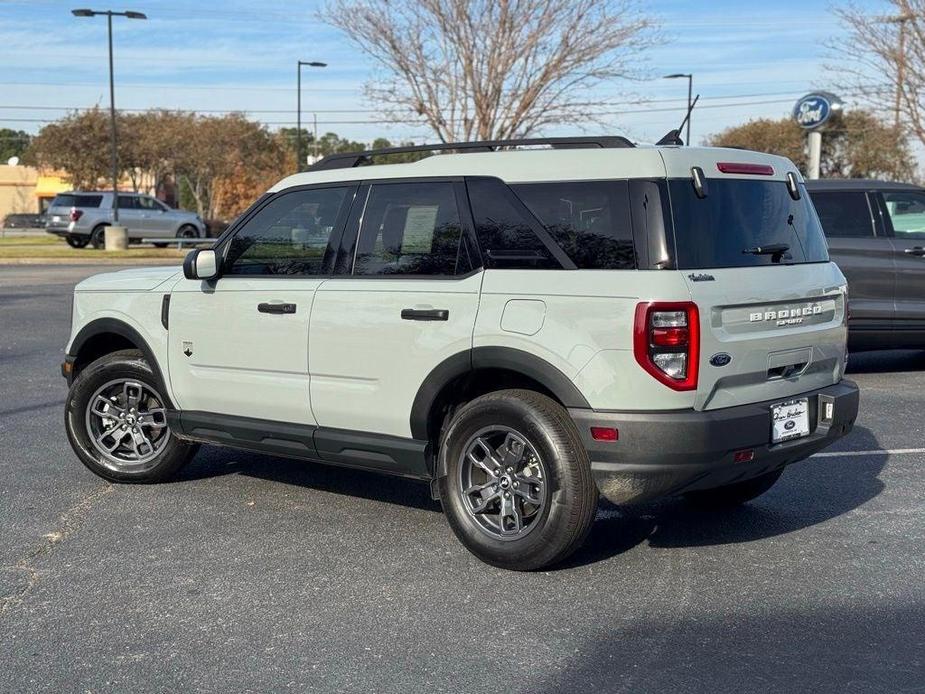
{"type": "Point", "coordinates": [160, 245]}
{"type": "Point", "coordinates": [98, 237]}
{"type": "Point", "coordinates": [77, 241]}
{"type": "Point", "coordinates": [188, 231]}
{"type": "Point", "coordinates": [127, 377]}
{"type": "Point", "coordinates": [732, 495]}
{"type": "Point", "coordinates": [528, 433]}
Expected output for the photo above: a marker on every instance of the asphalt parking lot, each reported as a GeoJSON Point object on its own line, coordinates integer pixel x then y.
{"type": "Point", "coordinates": [251, 573]}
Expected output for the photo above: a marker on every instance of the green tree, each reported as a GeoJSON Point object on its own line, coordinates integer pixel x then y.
{"type": "Point", "coordinates": [13, 143]}
{"type": "Point", "coordinates": [859, 146]}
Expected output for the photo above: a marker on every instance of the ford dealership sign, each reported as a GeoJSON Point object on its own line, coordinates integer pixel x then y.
{"type": "Point", "coordinates": [816, 110]}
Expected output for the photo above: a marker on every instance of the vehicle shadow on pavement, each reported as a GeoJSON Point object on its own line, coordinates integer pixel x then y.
{"type": "Point", "coordinates": [809, 492]}
{"type": "Point", "coordinates": [865, 648]}
{"type": "Point", "coordinates": [213, 461]}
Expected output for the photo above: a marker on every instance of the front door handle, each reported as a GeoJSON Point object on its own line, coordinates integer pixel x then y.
{"type": "Point", "coordinates": [915, 250]}
{"type": "Point", "coordinates": [425, 314]}
{"type": "Point", "coordinates": [276, 308]}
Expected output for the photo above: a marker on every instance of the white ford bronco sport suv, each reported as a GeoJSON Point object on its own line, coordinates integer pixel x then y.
{"type": "Point", "coordinates": [524, 328]}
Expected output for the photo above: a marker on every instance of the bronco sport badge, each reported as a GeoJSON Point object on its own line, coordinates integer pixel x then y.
{"type": "Point", "coordinates": [785, 316]}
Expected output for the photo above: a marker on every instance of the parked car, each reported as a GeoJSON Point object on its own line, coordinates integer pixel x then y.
{"type": "Point", "coordinates": [876, 235]}
{"type": "Point", "coordinates": [81, 218]}
{"type": "Point", "coordinates": [524, 329]}
{"type": "Point", "coordinates": [24, 221]}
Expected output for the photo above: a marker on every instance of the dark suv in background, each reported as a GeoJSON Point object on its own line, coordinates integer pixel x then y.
{"type": "Point", "coordinates": [876, 235]}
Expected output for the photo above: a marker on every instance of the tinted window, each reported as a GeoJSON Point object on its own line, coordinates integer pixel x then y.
{"type": "Point", "coordinates": [843, 214]}
{"type": "Point", "coordinates": [70, 200]}
{"type": "Point", "coordinates": [589, 220]}
{"type": "Point", "coordinates": [505, 235]}
{"type": "Point", "coordinates": [738, 216]}
{"type": "Point", "coordinates": [411, 229]}
{"type": "Point", "coordinates": [288, 236]}
{"type": "Point", "coordinates": [907, 213]}
{"type": "Point", "coordinates": [145, 203]}
{"type": "Point", "coordinates": [128, 202]}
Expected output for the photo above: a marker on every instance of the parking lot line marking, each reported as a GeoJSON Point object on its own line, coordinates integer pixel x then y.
{"type": "Point", "coordinates": [887, 451]}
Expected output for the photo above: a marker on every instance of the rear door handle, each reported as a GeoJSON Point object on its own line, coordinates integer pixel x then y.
{"type": "Point", "coordinates": [916, 250]}
{"type": "Point", "coordinates": [425, 314]}
{"type": "Point", "coordinates": [276, 308]}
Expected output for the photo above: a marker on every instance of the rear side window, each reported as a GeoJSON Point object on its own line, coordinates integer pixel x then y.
{"type": "Point", "coordinates": [71, 200]}
{"type": "Point", "coordinates": [590, 220]}
{"type": "Point", "coordinates": [907, 213]}
{"type": "Point", "coordinates": [411, 229]}
{"type": "Point", "coordinates": [739, 221]}
{"type": "Point", "coordinates": [506, 236]}
{"type": "Point", "coordinates": [843, 214]}
{"type": "Point", "coordinates": [289, 235]}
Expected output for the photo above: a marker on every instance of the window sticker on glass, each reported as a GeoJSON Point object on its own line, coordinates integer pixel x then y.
{"type": "Point", "coordinates": [418, 235]}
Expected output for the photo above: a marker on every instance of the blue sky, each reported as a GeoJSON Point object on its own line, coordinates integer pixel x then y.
{"type": "Point", "coordinates": [235, 55]}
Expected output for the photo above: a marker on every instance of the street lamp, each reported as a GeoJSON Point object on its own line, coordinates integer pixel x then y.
{"type": "Point", "coordinates": [298, 127]}
{"type": "Point", "coordinates": [112, 98]}
{"type": "Point", "coordinates": [690, 89]}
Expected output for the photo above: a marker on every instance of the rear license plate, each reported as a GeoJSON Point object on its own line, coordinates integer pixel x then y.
{"type": "Point", "coordinates": [55, 218]}
{"type": "Point", "coordinates": [789, 420]}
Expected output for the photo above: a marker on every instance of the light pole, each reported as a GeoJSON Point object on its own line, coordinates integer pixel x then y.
{"type": "Point", "coordinates": [690, 91]}
{"type": "Point", "coordinates": [112, 99]}
{"type": "Point", "coordinates": [298, 110]}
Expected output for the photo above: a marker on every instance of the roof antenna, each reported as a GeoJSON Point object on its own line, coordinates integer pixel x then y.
{"type": "Point", "coordinates": [673, 137]}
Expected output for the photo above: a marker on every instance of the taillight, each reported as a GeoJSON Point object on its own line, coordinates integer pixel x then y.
{"type": "Point", "coordinates": [666, 342]}
{"type": "Point", "coordinates": [76, 214]}
{"type": "Point", "coordinates": [737, 167]}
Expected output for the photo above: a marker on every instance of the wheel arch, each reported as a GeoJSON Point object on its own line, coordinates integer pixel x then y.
{"type": "Point", "coordinates": [481, 370]}
{"type": "Point", "coordinates": [103, 336]}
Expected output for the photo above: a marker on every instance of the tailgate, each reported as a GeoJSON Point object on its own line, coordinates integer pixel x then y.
{"type": "Point", "coordinates": [783, 328]}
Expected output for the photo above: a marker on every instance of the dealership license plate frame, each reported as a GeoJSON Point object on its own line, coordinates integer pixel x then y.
{"type": "Point", "coordinates": [783, 413]}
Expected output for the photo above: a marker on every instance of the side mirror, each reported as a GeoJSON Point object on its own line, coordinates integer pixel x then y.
{"type": "Point", "coordinates": [201, 264]}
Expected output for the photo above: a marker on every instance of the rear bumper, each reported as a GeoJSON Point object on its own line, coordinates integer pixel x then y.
{"type": "Point", "coordinates": [665, 453]}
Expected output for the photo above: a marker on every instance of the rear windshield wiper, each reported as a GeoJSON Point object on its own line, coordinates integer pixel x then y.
{"type": "Point", "coordinates": [773, 249]}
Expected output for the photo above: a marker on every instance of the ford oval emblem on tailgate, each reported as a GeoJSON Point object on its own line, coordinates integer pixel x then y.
{"type": "Point", "coordinates": [720, 359]}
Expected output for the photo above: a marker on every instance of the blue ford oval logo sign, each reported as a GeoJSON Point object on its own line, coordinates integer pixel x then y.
{"type": "Point", "coordinates": [816, 109]}
{"type": "Point", "coordinates": [720, 359]}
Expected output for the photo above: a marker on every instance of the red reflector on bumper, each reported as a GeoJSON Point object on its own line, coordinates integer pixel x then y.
{"type": "Point", "coordinates": [743, 456]}
{"type": "Point", "coordinates": [604, 434]}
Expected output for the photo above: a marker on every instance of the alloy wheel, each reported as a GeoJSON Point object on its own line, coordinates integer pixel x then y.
{"type": "Point", "coordinates": [503, 482]}
{"type": "Point", "coordinates": [127, 424]}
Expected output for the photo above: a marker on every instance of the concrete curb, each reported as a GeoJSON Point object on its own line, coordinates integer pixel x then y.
{"type": "Point", "coordinates": [91, 261]}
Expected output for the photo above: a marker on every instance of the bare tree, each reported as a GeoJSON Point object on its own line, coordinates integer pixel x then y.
{"type": "Point", "coordinates": [493, 69]}
{"type": "Point", "coordinates": [882, 60]}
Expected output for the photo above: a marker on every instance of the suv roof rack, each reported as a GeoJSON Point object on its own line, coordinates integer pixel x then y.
{"type": "Point", "coordinates": [348, 160]}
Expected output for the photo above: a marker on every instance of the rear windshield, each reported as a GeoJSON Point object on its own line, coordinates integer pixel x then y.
{"type": "Point", "coordinates": [737, 218]}
{"type": "Point", "coordinates": [71, 200]}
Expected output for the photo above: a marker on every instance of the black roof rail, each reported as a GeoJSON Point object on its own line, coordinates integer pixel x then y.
{"type": "Point", "coordinates": [348, 160]}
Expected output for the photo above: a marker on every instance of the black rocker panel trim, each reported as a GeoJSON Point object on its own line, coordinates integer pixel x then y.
{"type": "Point", "coordinates": [378, 452]}
{"type": "Point", "coordinates": [103, 326]}
{"type": "Point", "coordinates": [507, 358]}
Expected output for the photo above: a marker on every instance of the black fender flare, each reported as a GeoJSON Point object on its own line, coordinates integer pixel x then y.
{"type": "Point", "coordinates": [102, 326]}
{"type": "Point", "coordinates": [508, 358]}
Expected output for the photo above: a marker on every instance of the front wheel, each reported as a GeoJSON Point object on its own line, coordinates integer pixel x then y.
{"type": "Point", "coordinates": [732, 495]}
{"type": "Point", "coordinates": [115, 417]}
{"type": "Point", "coordinates": [77, 241]}
{"type": "Point", "coordinates": [188, 231]}
{"type": "Point", "coordinates": [518, 492]}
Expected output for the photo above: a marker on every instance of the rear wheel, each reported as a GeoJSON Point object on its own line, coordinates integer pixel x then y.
{"type": "Point", "coordinates": [732, 495]}
{"type": "Point", "coordinates": [188, 231]}
{"type": "Point", "coordinates": [518, 492]}
{"type": "Point", "coordinates": [77, 241]}
{"type": "Point", "coordinates": [98, 237]}
{"type": "Point", "coordinates": [115, 417]}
